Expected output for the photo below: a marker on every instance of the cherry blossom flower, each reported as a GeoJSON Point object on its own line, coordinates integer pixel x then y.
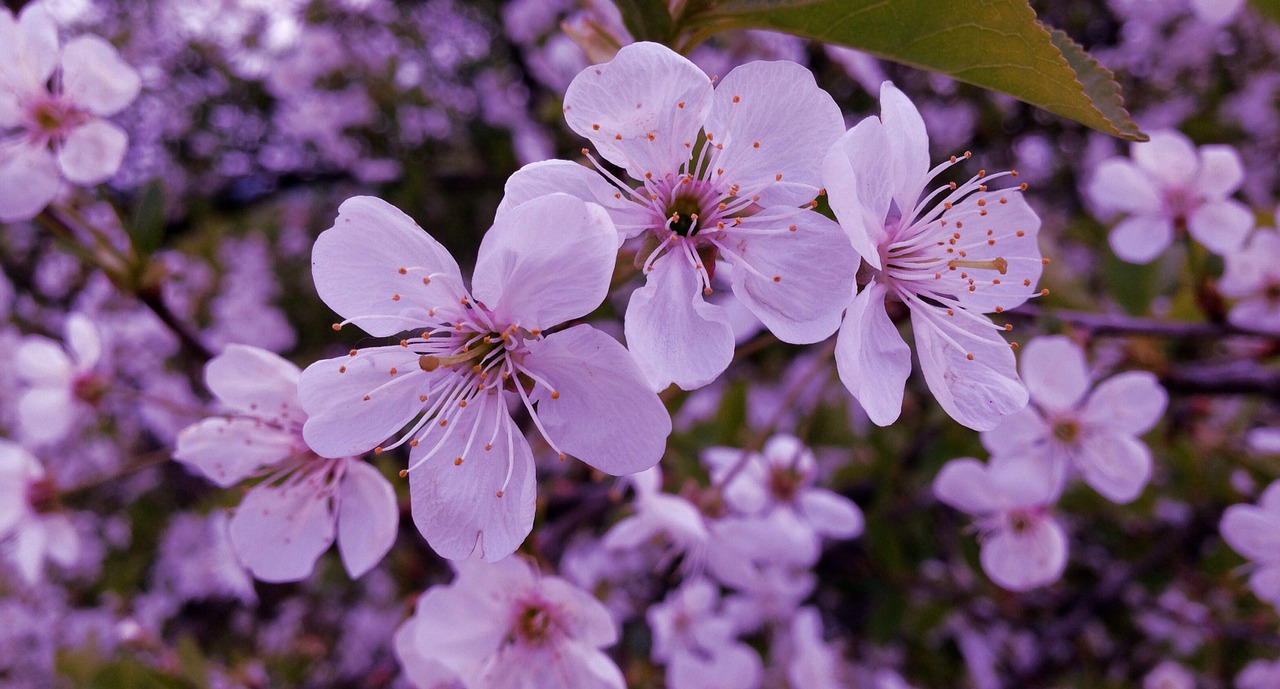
{"type": "Point", "coordinates": [698, 643]}
{"type": "Point", "coordinates": [660, 516]}
{"type": "Point", "coordinates": [471, 474]}
{"type": "Point", "coordinates": [725, 174]}
{"type": "Point", "coordinates": [778, 483]}
{"type": "Point", "coordinates": [501, 625]}
{"type": "Point", "coordinates": [1023, 546]}
{"type": "Point", "coordinates": [1252, 277]}
{"type": "Point", "coordinates": [287, 521]}
{"type": "Point", "coordinates": [62, 383]}
{"type": "Point", "coordinates": [1068, 425]}
{"type": "Point", "coordinates": [32, 528]}
{"type": "Point", "coordinates": [47, 134]}
{"type": "Point", "coordinates": [972, 253]}
{"type": "Point", "coordinates": [1168, 185]}
{"type": "Point", "coordinates": [1254, 532]}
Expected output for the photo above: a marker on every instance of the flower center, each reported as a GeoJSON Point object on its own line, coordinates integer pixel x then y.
{"type": "Point", "coordinates": [51, 117]}
{"type": "Point", "coordinates": [1066, 430]}
{"type": "Point", "coordinates": [42, 496]}
{"type": "Point", "coordinates": [1019, 521]}
{"type": "Point", "coordinates": [683, 211]}
{"type": "Point", "coordinates": [784, 483]}
{"type": "Point", "coordinates": [533, 624]}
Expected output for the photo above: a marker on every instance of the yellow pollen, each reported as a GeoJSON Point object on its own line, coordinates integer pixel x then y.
{"type": "Point", "coordinates": [422, 398]}
{"type": "Point", "coordinates": [392, 371]}
{"type": "Point", "coordinates": [755, 144]}
{"type": "Point", "coordinates": [377, 450]}
{"type": "Point", "coordinates": [352, 352]}
{"type": "Point", "coordinates": [791, 228]}
{"type": "Point", "coordinates": [563, 456]}
{"type": "Point", "coordinates": [969, 357]}
{"type": "Point", "coordinates": [403, 270]}
{"type": "Point", "coordinates": [488, 446]}
{"type": "Point", "coordinates": [999, 309]}
{"type": "Point", "coordinates": [499, 493]}
{"type": "Point", "coordinates": [617, 137]}
{"type": "Point", "coordinates": [777, 177]}
{"type": "Point", "coordinates": [555, 394]}
{"type": "Point", "coordinates": [457, 461]}
{"type": "Point", "coordinates": [736, 99]}
{"type": "Point", "coordinates": [366, 398]}
{"type": "Point", "coordinates": [413, 443]}
{"type": "Point", "coordinates": [777, 278]}
{"type": "Point", "coordinates": [342, 369]}
{"type": "Point", "coordinates": [337, 326]}
{"type": "Point", "coordinates": [982, 202]}
{"type": "Point", "coordinates": [403, 473]}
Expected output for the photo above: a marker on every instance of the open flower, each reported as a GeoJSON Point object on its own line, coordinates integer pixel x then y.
{"type": "Point", "coordinates": [1169, 185]}
{"type": "Point", "coordinates": [51, 133]}
{"type": "Point", "coordinates": [724, 174]}
{"type": "Point", "coordinates": [287, 521]}
{"type": "Point", "coordinates": [699, 642]}
{"type": "Point", "coordinates": [1023, 546]}
{"type": "Point", "coordinates": [449, 379]}
{"type": "Point", "coordinates": [1252, 277]}
{"type": "Point", "coordinates": [33, 529]}
{"type": "Point", "coordinates": [63, 381]}
{"type": "Point", "coordinates": [502, 626]}
{"type": "Point", "coordinates": [1254, 532]}
{"type": "Point", "coordinates": [974, 252]}
{"type": "Point", "coordinates": [1068, 425]}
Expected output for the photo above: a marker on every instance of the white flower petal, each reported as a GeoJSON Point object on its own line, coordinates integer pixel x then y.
{"type": "Point", "coordinates": [546, 261]}
{"type": "Point", "coordinates": [28, 49]}
{"type": "Point", "coordinates": [357, 267]}
{"type": "Point", "coordinates": [83, 341]}
{"type": "Point", "coordinates": [673, 333]}
{"type": "Point", "coordinates": [871, 356]}
{"type": "Point", "coordinates": [95, 78]}
{"type": "Point", "coordinates": [603, 411]}
{"type": "Point", "coordinates": [367, 517]}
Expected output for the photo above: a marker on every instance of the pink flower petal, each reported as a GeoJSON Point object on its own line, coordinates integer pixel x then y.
{"type": "Point", "coordinates": [229, 450]}
{"type": "Point", "coordinates": [1221, 226]}
{"type": "Point", "coordinates": [357, 265]}
{"type": "Point", "coordinates": [457, 505]}
{"type": "Point", "coordinates": [256, 382]}
{"type": "Point", "coordinates": [1026, 560]}
{"type": "Point", "coordinates": [603, 411]}
{"type": "Point", "coordinates": [546, 261]}
{"type": "Point", "coordinates": [673, 333]}
{"type": "Point", "coordinates": [1118, 185]}
{"type": "Point", "coordinates": [279, 531]}
{"type": "Point", "coordinates": [367, 517]}
{"type": "Point", "coordinates": [1117, 466]}
{"type": "Point", "coordinates": [647, 89]}
{"type": "Point", "coordinates": [1140, 238]}
{"type": "Point", "coordinates": [871, 356]}
{"type": "Point", "coordinates": [354, 403]}
{"type": "Point", "coordinates": [1169, 157]}
{"type": "Point", "coordinates": [1055, 372]}
{"type": "Point", "coordinates": [93, 152]}
{"type": "Point", "coordinates": [969, 368]}
{"type": "Point", "coordinates": [857, 176]}
{"type": "Point", "coordinates": [1129, 403]}
{"type": "Point", "coordinates": [562, 176]}
{"type": "Point", "coordinates": [773, 120]}
{"type": "Point", "coordinates": [29, 179]}
{"type": "Point", "coordinates": [95, 78]}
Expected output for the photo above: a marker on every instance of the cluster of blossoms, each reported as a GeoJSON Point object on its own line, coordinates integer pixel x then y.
{"type": "Point", "coordinates": [616, 308]}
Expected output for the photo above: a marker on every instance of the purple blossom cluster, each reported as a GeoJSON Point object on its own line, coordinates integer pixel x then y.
{"type": "Point", "coordinates": [732, 367]}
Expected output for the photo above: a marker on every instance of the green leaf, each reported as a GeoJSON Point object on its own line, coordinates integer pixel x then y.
{"type": "Point", "coordinates": [647, 20]}
{"type": "Point", "coordinates": [130, 673]}
{"type": "Point", "coordinates": [995, 44]}
{"type": "Point", "coordinates": [146, 229]}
